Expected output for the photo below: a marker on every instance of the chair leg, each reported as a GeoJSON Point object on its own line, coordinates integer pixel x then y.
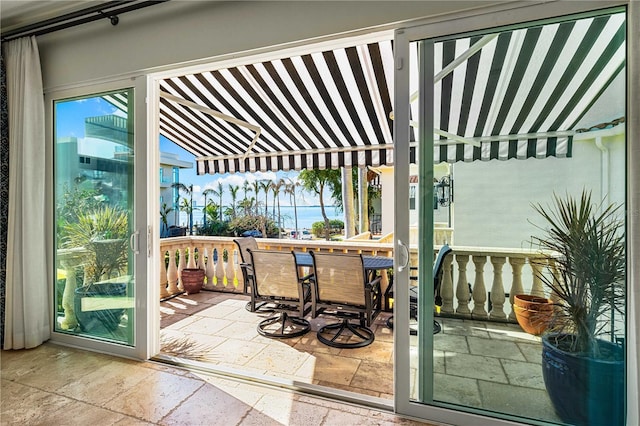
{"type": "Point", "coordinates": [283, 326]}
{"type": "Point", "coordinates": [345, 335]}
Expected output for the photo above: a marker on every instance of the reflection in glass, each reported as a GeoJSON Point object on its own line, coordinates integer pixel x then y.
{"type": "Point", "coordinates": [527, 117]}
{"type": "Point", "coordinates": [93, 199]}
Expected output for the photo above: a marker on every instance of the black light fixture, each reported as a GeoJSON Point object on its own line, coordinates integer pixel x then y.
{"type": "Point", "coordinates": [443, 191]}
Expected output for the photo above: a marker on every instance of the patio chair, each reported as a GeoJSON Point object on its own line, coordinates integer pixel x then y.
{"type": "Point", "coordinates": [342, 289]}
{"type": "Point", "coordinates": [244, 245]}
{"type": "Point", "coordinates": [276, 279]}
{"type": "Point", "coordinates": [413, 293]}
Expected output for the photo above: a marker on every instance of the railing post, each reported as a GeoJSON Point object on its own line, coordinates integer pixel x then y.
{"type": "Point", "coordinates": [497, 289]}
{"type": "Point", "coordinates": [181, 266]}
{"type": "Point", "coordinates": [462, 287]}
{"type": "Point", "coordinates": [479, 289]}
{"type": "Point", "coordinates": [446, 290]}
{"type": "Point", "coordinates": [163, 276]}
{"type": "Point", "coordinates": [172, 273]}
{"type": "Point", "coordinates": [516, 283]}
{"type": "Point", "coordinates": [219, 270]}
{"type": "Point", "coordinates": [209, 270]}
{"type": "Point", "coordinates": [537, 264]}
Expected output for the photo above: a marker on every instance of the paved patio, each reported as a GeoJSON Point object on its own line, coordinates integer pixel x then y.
{"type": "Point", "coordinates": [477, 364]}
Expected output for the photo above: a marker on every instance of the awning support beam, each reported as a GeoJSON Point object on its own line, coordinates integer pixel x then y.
{"type": "Point", "coordinates": [219, 115]}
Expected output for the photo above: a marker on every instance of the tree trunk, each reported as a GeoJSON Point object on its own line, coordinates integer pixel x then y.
{"type": "Point", "coordinates": [347, 202]}
{"type": "Point", "coordinates": [363, 200]}
{"type": "Point", "coordinates": [327, 225]}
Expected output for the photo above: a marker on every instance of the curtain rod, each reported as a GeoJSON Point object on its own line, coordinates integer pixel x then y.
{"type": "Point", "coordinates": [109, 10]}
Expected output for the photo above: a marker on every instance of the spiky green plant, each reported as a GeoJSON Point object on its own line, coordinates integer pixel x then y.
{"type": "Point", "coordinates": [90, 231]}
{"type": "Point", "coordinates": [588, 273]}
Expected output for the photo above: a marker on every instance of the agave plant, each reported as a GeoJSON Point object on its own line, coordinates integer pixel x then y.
{"type": "Point", "coordinates": [104, 233]}
{"type": "Point", "coordinates": [587, 274]}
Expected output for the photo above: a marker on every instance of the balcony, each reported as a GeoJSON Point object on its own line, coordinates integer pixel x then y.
{"type": "Point", "coordinates": [482, 358]}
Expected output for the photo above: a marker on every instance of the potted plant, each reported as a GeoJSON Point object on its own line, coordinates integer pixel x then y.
{"type": "Point", "coordinates": [103, 233]}
{"type": "Point", "coordinates": [582, 363]}
{"type": "Point", "coordinates": [533, 313]}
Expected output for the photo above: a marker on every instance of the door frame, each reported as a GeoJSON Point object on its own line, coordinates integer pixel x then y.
{"type": "Point", "coordinates": [513, 14]}
{"type": "Point", "coordinates": [141, 348]}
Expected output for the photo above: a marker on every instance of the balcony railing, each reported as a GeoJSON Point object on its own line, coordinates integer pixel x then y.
{"type": "Point", "coordinates": [489, 296]}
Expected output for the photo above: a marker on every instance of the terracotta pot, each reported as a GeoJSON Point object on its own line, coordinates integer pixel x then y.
{"type": "Point", "coordinates": [532, 312]}
{"type": "Point", "coordinates": [192, 280]}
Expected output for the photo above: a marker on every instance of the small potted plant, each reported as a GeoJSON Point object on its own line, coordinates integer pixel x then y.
{"type": "Point", "coordinates": [103, 233]}
{"type": "Point", "coordinates": [582, 359]}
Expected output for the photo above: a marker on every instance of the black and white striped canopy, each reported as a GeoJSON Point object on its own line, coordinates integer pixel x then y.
{"type": "Point", "coordinates": [516, 94]}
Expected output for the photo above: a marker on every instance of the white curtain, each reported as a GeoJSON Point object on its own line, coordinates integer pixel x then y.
{"type": "Point", "coordinates": [28, 310]}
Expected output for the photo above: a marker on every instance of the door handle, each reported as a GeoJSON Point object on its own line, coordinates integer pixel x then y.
{"type": "Point", "coordinates": [406, 254]}
{"type": "Point", "coordinates": [134, 242]}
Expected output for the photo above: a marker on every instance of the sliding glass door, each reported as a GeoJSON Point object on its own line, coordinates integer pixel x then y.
{"type": "Point", "coordinates": [530, 116]}
{"type": "Point", "coordinates": [97, 222]}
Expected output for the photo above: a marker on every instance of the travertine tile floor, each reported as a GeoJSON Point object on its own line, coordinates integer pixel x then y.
{"type": "Point", "coordinates": [492, 366]}
{"type": "Point", "coordinates": [55, 385]}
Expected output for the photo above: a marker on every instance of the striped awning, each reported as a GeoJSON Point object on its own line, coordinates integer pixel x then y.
{"type": "Point", "coordinates": [514, 94]}
{"type": "Point", "coordinates": [520, 94]}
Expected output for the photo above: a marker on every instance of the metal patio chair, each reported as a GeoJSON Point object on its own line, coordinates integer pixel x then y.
{"type": "Point", "coordinates": [276, 279]}
{"type": "Point", "coordinates": [413, 293]}
{"type": "Point", "coordinates": [342, 289]}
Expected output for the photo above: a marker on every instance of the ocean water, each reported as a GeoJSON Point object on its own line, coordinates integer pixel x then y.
{"type": "Point", "coordinates": [307, 215]}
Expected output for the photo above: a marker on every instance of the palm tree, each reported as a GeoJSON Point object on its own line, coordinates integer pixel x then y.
{"type": "Point", "coordinates": [246, 205]}
{"type": "Point", "coordinates": [233, 190]}
{"type": "Point", "coordinates": [290, 188]}
{"type": "Point", "coordinates": [164, 214]}
{"type": "Point", "coordinates": [206, 193]}
{"type": "Point", "coordinates": [219, 193]}
{"type": "Point", "coordinates": [189, 191]}
{"type": "Point", "coordinates": [266, 186]}
{"type": "Point", "coordinates": [246, 187]}
{"type": "Point", "coordinates": [187, 207]}
{"type": "Point", "coordinates": [276, 187]}
{"type": "Point", "coordinates": [316, 181]}
{"type": "Point", "coordinates": [256, 190]}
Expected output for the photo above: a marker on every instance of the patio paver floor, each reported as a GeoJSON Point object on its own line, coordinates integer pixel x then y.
{"type": "Point", "coordinates": [484, 365]}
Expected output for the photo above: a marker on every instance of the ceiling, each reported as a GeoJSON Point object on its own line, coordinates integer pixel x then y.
{"type": "Point", "coordinates": [17, 14]}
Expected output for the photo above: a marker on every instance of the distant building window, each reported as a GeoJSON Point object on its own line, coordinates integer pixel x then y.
{"type": "Point", "coordinates": [412, 197]}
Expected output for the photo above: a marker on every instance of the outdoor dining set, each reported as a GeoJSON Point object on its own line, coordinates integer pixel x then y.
{"type": "Point", "coordinates": [292, 285]}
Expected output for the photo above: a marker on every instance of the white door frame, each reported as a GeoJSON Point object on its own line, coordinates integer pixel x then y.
{"type": "Point", "coordinates": [512, 14]}
{"type": "Point", "coordinates": [144, 310]}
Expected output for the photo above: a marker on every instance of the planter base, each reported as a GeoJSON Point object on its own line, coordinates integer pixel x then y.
{"type": "Point", "coordinates": [584, 391]}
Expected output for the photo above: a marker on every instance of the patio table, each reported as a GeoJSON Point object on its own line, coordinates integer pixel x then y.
{"type": "Point", "coordinates": [371, 263]}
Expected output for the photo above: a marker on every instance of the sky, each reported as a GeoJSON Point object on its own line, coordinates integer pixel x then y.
{"type": "Point", "coordinates": [203, 182]}
{"type": "Point", "coordinates": [70, 117]}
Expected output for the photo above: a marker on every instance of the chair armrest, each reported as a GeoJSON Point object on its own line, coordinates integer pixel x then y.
{"type": "Point", "coordinates": [375, 284]}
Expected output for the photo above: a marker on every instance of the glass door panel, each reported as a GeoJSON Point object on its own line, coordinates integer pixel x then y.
{"type": "Point", "coordinates": [94, 177]}
{"type": "Point", "coordinates": [530, 117]}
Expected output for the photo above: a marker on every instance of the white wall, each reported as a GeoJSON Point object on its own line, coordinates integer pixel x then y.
{"type": "Point", "coordinates": [180, 31]}
{"type": "Point", "coordinates": [493, 199]}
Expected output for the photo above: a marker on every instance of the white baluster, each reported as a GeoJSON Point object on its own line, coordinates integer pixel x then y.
{"type": "Point", "coordinates": [446, 290]}
{"type": "Point", "coordinates": [479, 290]}
{"type": "Point", "coordinates": [219, 270]}
{"type": "Point", "coordinates": [181, 265]}
{"type": "Point", "coordinates": [516, 283]}
{"type": "Point", "coordinates": [497, 289]}
{"type": "Point", "coordinates": [462, 287]}
{"type": "Point", "coordinates": [163, 276]}
{"type": "Point", "coordinates": [192, 258]}
{"type": "Point", "coordinates": [210, 270]}
{"type": "Point", "coordinates": [172, 273]}
{"type": "Point", "coordinates": [537, 265]}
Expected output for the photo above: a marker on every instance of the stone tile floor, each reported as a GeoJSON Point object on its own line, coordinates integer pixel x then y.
{"type": "Point", "coordinates": [55, 385]}
{"type": "Point", "coordinates": [485, 365]}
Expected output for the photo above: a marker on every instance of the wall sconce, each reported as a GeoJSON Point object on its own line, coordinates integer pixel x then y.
{"type": "Point", "coordinates": [442, 192]}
